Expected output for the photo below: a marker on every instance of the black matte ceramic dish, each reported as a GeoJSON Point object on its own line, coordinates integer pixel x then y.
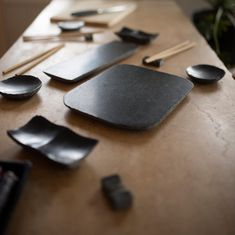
{"type": "Point", "coordinates": [204, 73]}
{"type": "Point", "coordinates": [71, 26]}
{"type": "Point", "coordinates": [91, 62]}
{"type": "Point", "coordinates": [136, 36]}
{"type": "Point", "coordinates": [20, 87]}
{"type": "Point", "coordinates": [128, 96]}
{"type": "Point", "coordinates": [57, 143]}
{"type": "Point", "coordinates": [21, 170]}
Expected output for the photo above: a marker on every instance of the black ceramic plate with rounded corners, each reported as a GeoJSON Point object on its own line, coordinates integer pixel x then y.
{"type": "Point", "coordinates": [136, 36]}
{"type": "Point", "coordinates": [57, 143]}
{"type": "Point", "coordinates": [71, 25]}
{"type": "Point", "coordinates": [20, 86]}
{"type": "Point", "coordinates": [129, 97]}
{"type": "Point", "coordinates": [21, 170]}
{"type": "Point", "coordinates": [204, 73]}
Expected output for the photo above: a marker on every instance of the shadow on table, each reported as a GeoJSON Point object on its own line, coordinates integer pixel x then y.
{"type": "Point", "coordinates": [21, 104]}
{"type": "Point", "coordinates": [134, 137]}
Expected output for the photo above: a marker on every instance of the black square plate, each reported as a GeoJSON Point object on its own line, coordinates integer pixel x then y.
{"type": "Point", "coordinates": [129, 96]}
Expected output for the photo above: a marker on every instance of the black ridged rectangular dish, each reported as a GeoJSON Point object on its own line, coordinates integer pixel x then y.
{"type": "Point", "coordinates": [58, 143]}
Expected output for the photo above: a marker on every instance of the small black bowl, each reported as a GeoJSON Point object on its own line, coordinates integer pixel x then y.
{"type": "Point", "coordinates": [204, 73]}
{"type": "Point", "coordinates": [71, 26]}
{"type": "Point", "coordinates": [20, 87]}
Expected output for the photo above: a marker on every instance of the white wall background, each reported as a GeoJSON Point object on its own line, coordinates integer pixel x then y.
{"type": "Point", "coordinates": [16, 15]}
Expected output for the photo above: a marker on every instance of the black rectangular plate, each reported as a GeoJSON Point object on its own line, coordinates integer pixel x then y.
{"type": "Point", "coordinates": [91, 62]}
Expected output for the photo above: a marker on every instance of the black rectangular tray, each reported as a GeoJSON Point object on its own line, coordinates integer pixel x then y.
{"type": "Point", "coordinates": [21, 170]}
{"type": "Point", "coordinates": [90, 62]}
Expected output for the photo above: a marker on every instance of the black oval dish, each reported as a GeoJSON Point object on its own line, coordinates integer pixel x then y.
{"type": "Point", "coordinates": [57, 143]}
{"type": "Point", "coordinates": [204, 73]}
{"type": "Point", "coordinates": [10, 196]}
{"type": "Point", "coordinates": [20, 87]}
{"type": "Point", "coordinates": [136, 36]}
{"type": "Point", "coordinates": [71, 26]}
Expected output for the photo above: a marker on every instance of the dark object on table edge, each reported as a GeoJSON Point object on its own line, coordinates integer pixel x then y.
{"type": "Point", "coordinates": [57, 143]}
{"type": "Point", "coordinates": [204, 73]}
{"type": "Point", "coordinates": [20, 169]}
{"type": "Point", "coordinates": [117, 195]}
{"type": "Point", "coordinates": [20, 86]}
{"type": "Point", "coordinates": [136, 36]}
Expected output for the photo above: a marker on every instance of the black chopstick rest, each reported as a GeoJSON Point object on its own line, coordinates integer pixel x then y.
{"type": "Point", "coordinates": [156, 63]}
{"type": "Point", "coordinates": [89, 37]}
{"type": "Point", "coordinates": [117, 195]}
{"type": "Point", "coordinates": [136, 36]}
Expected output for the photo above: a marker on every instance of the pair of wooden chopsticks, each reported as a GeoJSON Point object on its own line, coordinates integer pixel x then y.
{"type": "Point", "coordinates": [62, 36]}
{"type": "Point", "coordinates": [171, 51]}
{"type": "Point", "coordinates": [33, 61]}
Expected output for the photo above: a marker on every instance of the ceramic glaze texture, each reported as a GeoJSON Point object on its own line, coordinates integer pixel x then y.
{"type": "Point", "coordinates": [129, 96]}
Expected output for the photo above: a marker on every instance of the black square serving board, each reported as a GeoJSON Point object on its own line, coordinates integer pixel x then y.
{"type": "Point", "coordinates": [90, 62]}
{"type": "Point", "coordinates": [128, 96]}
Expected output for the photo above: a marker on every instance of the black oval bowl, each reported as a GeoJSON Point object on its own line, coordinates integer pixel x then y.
{"type": "Point", "coordinates": [71, 26]}
{"type": "Point", "coordinates": [204, 73]}
{"type": "Point", "coordinates": [20, 87]}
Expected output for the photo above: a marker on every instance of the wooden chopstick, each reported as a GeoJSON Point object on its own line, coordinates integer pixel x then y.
{"type": "Point", "coordinates": [187, 47]}
{"type": "Point", "coordinates": [171, 51]}
{"type": "Point", "coordinates": [39, 60]}
{"type": "Point", "coordinates": [162, 53]}
{"type": "Point", "coordinates": [14, 67]}
{"type": "Point", "coordinates": [62, 35]}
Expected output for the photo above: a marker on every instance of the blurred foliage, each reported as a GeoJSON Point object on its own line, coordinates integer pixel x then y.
{"type": "Point", "coordinates": [217, 22]}
{"type": "Point", "coordinates": [227, 5]}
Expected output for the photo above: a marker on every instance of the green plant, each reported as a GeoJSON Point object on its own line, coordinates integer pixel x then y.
{"type": "Point", "coordinates": [222, 20]}
{"type": "Point", "coordinates": [217, 25]}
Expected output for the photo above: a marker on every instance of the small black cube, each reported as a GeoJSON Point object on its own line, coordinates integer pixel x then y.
{"type": "Point", "coordinates": [111, 183]}
{"type": "Point", "coordinates": [117, 195]}
{"type": "Point", "coordinates": [121, 199]}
